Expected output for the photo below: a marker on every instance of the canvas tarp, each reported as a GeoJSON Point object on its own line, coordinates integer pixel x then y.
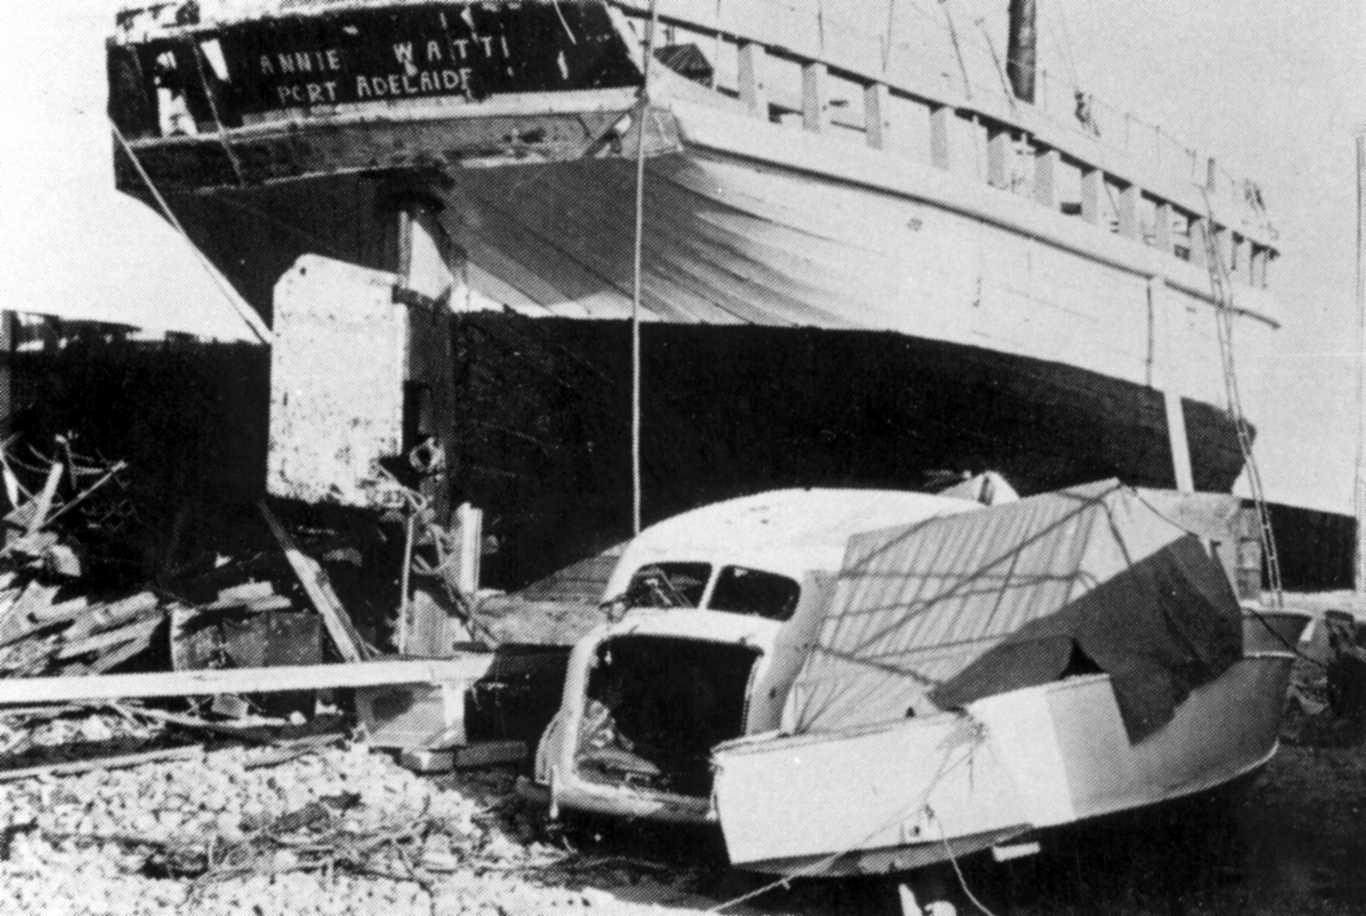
{"type": "Point", "coordinates": [939, 614]}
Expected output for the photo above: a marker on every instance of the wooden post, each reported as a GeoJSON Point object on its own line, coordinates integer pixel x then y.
{"type": "Point", "coordinates": [877, 115]}
{"type": "Point", "coordinates": [1257, 266]}
{"type": "Point", "coordinates": [998, 156]}
{"type": "Point", "coordinates": [7, 343]}
{"type": "Point", "coordinates": [319, 590]}
{"type": "Point", "coordinates": [1198, 227]}
{"type": "Point", "coordinates": [1046, 163]}
{"type": "Point", "coordinates": [1360, 489]}
{"type": "Point", "coordinates": [815, 97]}
{"type": "Point", "coordinates": [753, 85]}
{"type": "Point", "coordinates": [1091, 179]}
{"type": "Point", "coordinates": [1223, 245]}
{"type": "Point", "coordinates": [1127, 211]}
{"type": "Point", "coordinates": [941, 136]}
{"type": "Point", "coordinates": [1176, 438]}
{"type": "Point", "coordinates": [1162, 227]}
{"type": "Point", "coordinates": [470, 528]}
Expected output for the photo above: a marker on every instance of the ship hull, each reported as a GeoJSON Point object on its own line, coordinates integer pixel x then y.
{"type": "Point", "coordinates": [542, 423]}
{"type": "Point", "coordinates": [824, 305]}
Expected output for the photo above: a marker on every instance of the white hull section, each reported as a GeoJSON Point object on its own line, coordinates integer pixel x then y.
{"type": "Point", "coordinates": [759, 223]}
{"type": "Point", "coordinates": [900, 796]}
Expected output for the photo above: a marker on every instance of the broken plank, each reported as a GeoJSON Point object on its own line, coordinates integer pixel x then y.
{"type": "Point", "coordinates": [122, 761]}
{"type": "Point", "coordinates": [139, 630]}
{"type": "Point", "coordinates": [43, 505]}
{"type": "Point", "coordinates": [110, 616]}
{"type": "Point", "coordinates": [110, 660]}
{"type": "Point", "coordinates": [35, 600]}
{"type": "Point", "coordinates": [251, 734]}
{"type": "Point", "coordinates": [319, 590]}
{"type": "Point", "coordinates": [242, 594]}
{"type": "Point", "coordinates": [27, 691]}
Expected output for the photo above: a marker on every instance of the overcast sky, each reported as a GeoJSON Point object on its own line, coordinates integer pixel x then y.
{"type": "Point", "coordinates": [1274, 88]}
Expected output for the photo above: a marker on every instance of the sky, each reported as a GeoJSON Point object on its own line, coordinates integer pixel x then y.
{"type": "Point", "coordinates": [1274, 89]}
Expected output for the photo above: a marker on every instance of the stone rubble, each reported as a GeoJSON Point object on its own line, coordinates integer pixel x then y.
{"type": "Point", "coordinates": [208, 835]}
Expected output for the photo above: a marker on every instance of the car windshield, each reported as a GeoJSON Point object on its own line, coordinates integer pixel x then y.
{"type": "Point", "coordinates": [668, 585]}
{"type": "Point", "coordinates": [752, 591]}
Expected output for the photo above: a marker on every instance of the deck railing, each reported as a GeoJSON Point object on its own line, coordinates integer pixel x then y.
{"type": "Point", "coordinates": [798, 62]}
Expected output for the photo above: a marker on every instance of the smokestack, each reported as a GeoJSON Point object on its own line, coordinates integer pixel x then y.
{"type": "Point", "coordinates": [1021, 49]}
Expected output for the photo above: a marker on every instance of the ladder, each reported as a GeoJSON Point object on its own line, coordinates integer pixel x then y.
{"type": "Point", "coordinates": [1221, 287]}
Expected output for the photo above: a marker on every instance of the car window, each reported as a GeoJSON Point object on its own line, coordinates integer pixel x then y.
{"type": "Point", "coordinates": [668, 585]}
{"type": "Point", "coordinates": [740, 590]}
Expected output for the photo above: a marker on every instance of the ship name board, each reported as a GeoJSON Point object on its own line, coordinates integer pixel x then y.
{"type": "Point", "coordinates": [465, 51]}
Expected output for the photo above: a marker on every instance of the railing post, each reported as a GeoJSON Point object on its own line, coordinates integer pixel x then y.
{"type": "Point", "coordinates": [877, 115]}
{"type": "Point", "coordinates": [1198, 227]}
{"type": "Point", "coordinates": [1127, 211]}
{"type": "Point", "coordinates": [1162, 227]}
{"type": "Point", "coordinates": [1046, 162]}
{"type": "Point", "coordinates": [753, 82]}
{"type": "Point", "coordinates": [941, 136]}
{"type": "Point", "coordinates": [998, 155]}
{"type": "Point", "coordinates": [815, 97]}
{"type": "Point", "coordinates": [1091, 179]}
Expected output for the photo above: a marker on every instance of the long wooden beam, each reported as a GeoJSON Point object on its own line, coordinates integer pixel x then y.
{"type": "Point", "coordinates": [28, 691]}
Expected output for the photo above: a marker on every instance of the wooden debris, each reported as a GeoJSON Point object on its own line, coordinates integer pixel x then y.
{"type": "Point", "coordinates": [28, 691]}
{"type": "Point", "coordinates": [490, 753]}
{"type": "Point", "coordinates": [319, 590]}
{"type": "Point", "coordinates": [103, 763]}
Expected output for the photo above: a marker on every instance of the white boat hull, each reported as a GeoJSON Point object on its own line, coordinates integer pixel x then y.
{"type": "Point", "coordinates": [901, 796]}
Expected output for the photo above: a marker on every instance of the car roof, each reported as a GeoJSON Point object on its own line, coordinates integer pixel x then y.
{"type": "Point", "coordinates": [789, 531]}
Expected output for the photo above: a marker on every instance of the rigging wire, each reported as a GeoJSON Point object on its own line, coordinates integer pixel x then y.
{"type": "Point", "coordinates": [642, 108]}
{"type": "Point", "coordinates": [252, 320]}
{"type": "Point", "coordinates": [957, 48]}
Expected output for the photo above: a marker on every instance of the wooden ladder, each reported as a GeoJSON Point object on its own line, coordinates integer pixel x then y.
{"type": "Point", "coordinates": [1221, 287]}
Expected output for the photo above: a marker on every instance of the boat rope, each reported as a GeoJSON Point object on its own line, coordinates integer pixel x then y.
{"type": "Point", "coordinates": [953, 860]}
{"type": "Point", "coordinates": [957, 48]}
{"type": "Point", "coordinates": [1009, 93]}
{"type": "Point", "coordinates": [642, 107]}
{"type": "Point", "coordinates": [252, 320]}
{"type": "Point", "coordinates": [209, 94]}
{"type": "Point", "coordinates": [1221, 288]}
{"type": "Point", "coordinates": [920, 806]}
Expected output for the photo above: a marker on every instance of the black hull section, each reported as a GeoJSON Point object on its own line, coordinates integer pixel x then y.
{"type": "Point", "coordinates": [542, 424]}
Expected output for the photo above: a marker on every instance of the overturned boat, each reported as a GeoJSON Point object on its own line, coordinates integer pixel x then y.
{"type": "Point", "coordinates": [959, 677]}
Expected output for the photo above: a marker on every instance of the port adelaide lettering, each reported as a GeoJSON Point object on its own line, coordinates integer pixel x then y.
{"type": "Point", "coordinates": [420, 68]}
{"type": "Point", "coordinates": [429, 50]}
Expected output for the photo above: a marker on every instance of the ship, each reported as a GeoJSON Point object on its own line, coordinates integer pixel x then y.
{"type": "Point", "coordinates": [875, 247]}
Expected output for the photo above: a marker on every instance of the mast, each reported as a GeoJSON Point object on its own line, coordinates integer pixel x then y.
{"type": "Point", "coordinates": [1021, 49]}
{"type": "Point", "coordinates": [1359, 496]}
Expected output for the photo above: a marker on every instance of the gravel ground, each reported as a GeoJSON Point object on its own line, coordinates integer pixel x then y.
{"type": "Point", "coordinates": [341, 830]}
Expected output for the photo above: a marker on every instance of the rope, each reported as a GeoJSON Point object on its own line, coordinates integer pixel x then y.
{"type": "Point", "coordinates": [641, 109]}
{"type": "Point", "coordinates": [957, 48]}
{"type": "Point", "coordinates": [953, 860]}
{"type": "Point", "coordinates": [820, 865]}
{"type": "Point", "coordinates": [252, 320]}
{"type": "Point", "coordinates": [209, 93]}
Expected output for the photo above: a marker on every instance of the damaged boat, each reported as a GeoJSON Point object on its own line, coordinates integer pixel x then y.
{"type": "Point", "coordinates": [864, 682]}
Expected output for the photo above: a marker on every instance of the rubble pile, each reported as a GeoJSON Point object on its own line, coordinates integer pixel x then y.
{"type": "Point", "coordinates": [339, 830]}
